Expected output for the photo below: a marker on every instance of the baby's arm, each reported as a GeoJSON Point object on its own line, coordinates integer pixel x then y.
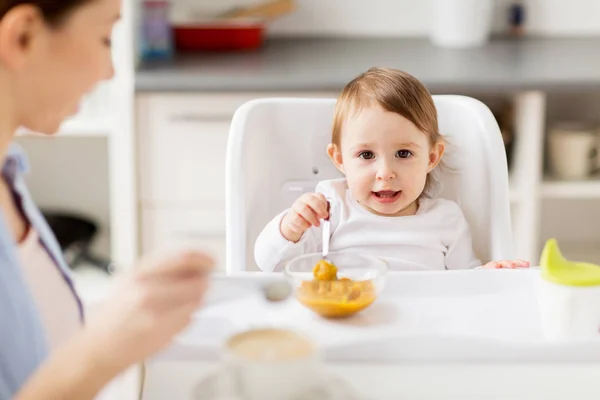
{"type": "Point", "coordinates": [272, 248]}
{"type": "Point", "coordinates": [296, 231]}
{"type": "Point", "coordinates": [460, 254]}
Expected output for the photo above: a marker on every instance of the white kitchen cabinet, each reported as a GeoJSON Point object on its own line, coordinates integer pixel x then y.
{"type": "Point", "coordinates": [166, 229]}
{"type": "Point", "coordinates": [181, 162]}
{"type": "Point", "coordinates": [181, 144]}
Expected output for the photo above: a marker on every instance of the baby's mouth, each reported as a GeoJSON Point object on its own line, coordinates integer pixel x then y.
{"type": "Point", "coordinates": [386, 195]}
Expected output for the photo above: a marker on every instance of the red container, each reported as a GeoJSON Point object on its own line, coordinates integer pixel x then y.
{"type": "Point", "coordinates": [216, 36]}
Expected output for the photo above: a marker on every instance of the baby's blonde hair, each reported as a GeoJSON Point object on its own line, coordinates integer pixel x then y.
{"type": "Point", "coordinates": [395, 91]}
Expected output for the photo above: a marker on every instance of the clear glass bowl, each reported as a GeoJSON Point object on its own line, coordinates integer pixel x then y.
{"type": "Point", "coordinates": [360, 280]}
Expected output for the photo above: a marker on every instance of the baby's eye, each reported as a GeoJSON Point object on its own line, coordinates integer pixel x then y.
{"type": "Point", "coordinates": [403, 154]}
{"type": "Point", "coordinates": [366, 155]}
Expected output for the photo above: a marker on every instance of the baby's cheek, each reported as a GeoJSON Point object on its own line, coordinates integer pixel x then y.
{"type": "Point", "coordinates": [414, 181]}
{"type": "Point", "coordinates": [358, 174]}
{"type": "Point", "coordinates": [360, 184]}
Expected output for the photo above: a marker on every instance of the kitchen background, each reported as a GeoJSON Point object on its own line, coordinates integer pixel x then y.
{"type": "Point", "coordinates": [134, 160]}
{"type": "Point", "coordinates": [409, 18]}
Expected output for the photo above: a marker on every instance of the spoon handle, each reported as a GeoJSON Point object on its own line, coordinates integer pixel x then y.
{"type": "Point", "coordinates": [326, 231]}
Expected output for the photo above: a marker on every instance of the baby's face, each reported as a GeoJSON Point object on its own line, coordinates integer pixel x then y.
{"type": "Point", "coordinates": [386, 159]}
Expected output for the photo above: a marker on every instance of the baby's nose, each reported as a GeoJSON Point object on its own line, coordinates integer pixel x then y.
{"type": "Point", "coordinates": [385, 172]}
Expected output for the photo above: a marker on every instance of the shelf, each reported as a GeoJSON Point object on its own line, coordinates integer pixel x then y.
{"type": "Point", "coordinates": [583, 189]}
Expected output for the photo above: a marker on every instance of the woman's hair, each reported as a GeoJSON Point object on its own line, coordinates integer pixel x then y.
{"type": "Point", "coordinates": [395, 91]}
{"type": "Point", "coordinates": [55, 12]}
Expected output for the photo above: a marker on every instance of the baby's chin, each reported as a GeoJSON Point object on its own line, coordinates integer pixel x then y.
{"type": "Point", "coordinates": [398, 210]}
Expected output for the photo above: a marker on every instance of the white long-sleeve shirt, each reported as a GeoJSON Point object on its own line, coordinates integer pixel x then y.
{"type": "Point", "coordinates": [437, 237]}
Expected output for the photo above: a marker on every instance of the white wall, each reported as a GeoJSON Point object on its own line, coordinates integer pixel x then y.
{"type": "Point", "coordinates": [409, 17]}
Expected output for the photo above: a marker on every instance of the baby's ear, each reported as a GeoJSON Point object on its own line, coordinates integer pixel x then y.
{"type": "Point", "coordinates": [336, 156]}
{"type": "Point", "coordinates": [435, 155]}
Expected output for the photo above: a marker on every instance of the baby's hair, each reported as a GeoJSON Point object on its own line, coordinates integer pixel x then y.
{"type": "Point", "coordinates": [395, 91]}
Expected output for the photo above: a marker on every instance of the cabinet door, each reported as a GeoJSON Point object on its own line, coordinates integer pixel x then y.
{"type": "Point", "coordinates": [166, 229]}
{"type": "Point", "coordinates": [182, 159]}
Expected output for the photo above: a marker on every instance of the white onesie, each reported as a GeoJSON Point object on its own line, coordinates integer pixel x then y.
{"type": "Point", "coordinates": [437, 237]}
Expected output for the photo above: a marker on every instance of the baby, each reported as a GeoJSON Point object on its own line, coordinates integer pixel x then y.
{"type": "Point", "coordinates": [386, 143]}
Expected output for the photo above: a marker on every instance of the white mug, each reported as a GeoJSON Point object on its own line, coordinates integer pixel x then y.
{"type": "Point", "coordinates": [270, 364]}
{"type": "Point", "coordinates": [460, 23]}
{"type": "Point", "coordinates": [572, 151]}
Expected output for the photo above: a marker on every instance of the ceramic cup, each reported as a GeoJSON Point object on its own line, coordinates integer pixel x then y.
{"type": "Point", "coordinates": [271, 364]}
{"type": "Point", "coordinates": [572, 149]}
{"type": "Point", "coordinates": [460, 23]}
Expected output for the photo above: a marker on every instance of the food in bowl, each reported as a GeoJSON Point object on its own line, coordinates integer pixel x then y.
{"type": "Point", "coordinates": [325, 271]}
{"type": "Point", "coordinates": [332, 296]}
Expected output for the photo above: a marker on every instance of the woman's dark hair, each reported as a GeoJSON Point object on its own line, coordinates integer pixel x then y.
{"type": "Point", "coordinates": [54, 11]}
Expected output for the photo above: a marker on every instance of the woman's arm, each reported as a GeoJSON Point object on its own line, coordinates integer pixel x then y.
{"type": "Point", "coordinates": [72, 372]}
{"type": "Point", "coordinates": [145, 311]}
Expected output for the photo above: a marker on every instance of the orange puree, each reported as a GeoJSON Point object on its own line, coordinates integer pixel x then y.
{"type": "Point", "coordinates": [331, 297]}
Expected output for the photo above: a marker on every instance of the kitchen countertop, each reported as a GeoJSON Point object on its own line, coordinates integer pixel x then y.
{"type": "Point", "coordinates": [328, 64]}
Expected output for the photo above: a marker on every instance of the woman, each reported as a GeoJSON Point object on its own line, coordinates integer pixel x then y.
{"type": "Point", "coordinates": [52, 52]}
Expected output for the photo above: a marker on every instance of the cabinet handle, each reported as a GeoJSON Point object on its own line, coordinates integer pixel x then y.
{"type": "Point", "coordinates": [190, 117]}
{"type": "Point", "coordinates": [198, 235]}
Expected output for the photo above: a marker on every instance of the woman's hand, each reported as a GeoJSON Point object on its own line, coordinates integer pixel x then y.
{"type": "Point", "coordinates": [148, 308]}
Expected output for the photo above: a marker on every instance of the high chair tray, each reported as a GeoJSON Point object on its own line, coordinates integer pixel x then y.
{"type": "Point", "coordinates": [475, 315]}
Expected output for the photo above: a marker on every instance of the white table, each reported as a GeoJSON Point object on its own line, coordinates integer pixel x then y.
{"type": "Point", "coordinates": [175, 379]}
{"type": "Point", "coordinates": [494, 370]}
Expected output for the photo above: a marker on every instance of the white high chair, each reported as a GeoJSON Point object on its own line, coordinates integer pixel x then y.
{"type": "Point", "coordinates": [277, 151]}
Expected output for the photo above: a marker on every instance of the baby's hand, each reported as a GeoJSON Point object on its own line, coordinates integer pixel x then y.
{"type": "Point", "coordinates": [510, 264]}
{"type": "Point", "coordinates": [304, 213]}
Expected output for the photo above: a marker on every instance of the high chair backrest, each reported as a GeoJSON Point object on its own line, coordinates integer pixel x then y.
{"type": "Point", "coordinates": [277, 151]}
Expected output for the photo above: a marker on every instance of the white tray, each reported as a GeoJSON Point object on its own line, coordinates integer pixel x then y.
{"type": "Point", "coordinates": [482, 315]}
